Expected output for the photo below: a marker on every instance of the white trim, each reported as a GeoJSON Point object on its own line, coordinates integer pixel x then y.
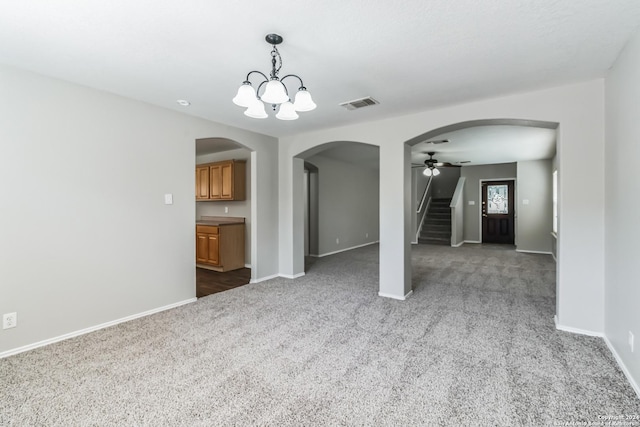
{"type": "Point", "coordinates": [292, 276]}
{"type": "Point", "coordinates": [262, 279]}
{"type": "Point", "coordinates": [345, 249]}
{"type": "Point", "coordinates": [247, 266]}
{"type": "Point", "coordinates": [92, 329]}
{"type": "Point", "coordinates": [624, 368]}
{"type": "Point", "coordinates": [458, 244]}
{"type": "Point", "coordinates": [475, 242]}
{"type": "Point", "coordinates": [414, 243]}
{"type": "Point", "coordinates": [401, 298]}
{"type": "Point", "coordinates": [534, 252]}
{"type": "Point", "coordinates": [576, 330]}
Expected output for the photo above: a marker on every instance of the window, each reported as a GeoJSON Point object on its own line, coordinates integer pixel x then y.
{"type": "Point", "coordinates": [555, 201]}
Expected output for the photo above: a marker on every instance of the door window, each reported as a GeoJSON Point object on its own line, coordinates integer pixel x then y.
{"type": "Point", "coordinates": [498, 199]}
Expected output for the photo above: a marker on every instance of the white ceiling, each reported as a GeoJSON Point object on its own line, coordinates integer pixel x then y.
{"type": "Point", "coordinates": [483, 145]}
{"type": "Point", "coordinates": [410, 55]}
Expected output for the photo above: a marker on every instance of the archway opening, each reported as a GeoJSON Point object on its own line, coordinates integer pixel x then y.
{"type": "Point", "coordinates": [340, 199]}
{"type": "Point", "coordinates": [211, 151]}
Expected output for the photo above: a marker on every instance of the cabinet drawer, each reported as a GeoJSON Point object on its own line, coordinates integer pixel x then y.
{"type": "Point", "coordinates": [209, 229]}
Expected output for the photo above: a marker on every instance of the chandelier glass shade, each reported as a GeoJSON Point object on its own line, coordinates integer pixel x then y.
{"type": "Point", "coordinates": [429, 171]}
{"type": "Point", "coordinates": [272, 91]}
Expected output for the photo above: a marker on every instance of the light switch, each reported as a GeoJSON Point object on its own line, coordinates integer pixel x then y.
{"type": "Point", "coordinates": [472, 202]}
{"type": "Point", "coordinates": [525, 201]}
{"type": "Point", "coordinates": [168, 199]}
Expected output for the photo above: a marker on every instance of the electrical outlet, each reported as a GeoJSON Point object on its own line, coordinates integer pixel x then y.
{"type": "Point", "coordinates": [366, 235]}
{"type": "Point", "coordinates": [9, 320]}
{"type": "Point", "coordinates": [337, 241]}
{"type": "Point", "coordinates": [631, 339]}
{"type": "Point", "coordinates": [226, 209]}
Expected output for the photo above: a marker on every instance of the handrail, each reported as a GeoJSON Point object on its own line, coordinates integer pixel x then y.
{"type": "Point", "coordinates": [424, 195]}
{"type": "Point", "coordinates": [427, 192]}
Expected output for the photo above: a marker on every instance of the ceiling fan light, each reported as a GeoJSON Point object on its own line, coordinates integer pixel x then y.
{"type": "Point", "coordinates": [303, 101]}
{"type": "Point", "coordinates": [275, 93]}
{"type": "Point", "coordinates": [245, 96]}
{"type": "Point", "coordinates": [426, 172]}
{"type": "Point", "coordinates": [256, 110]}
{"type": "Point", "coordinates": [436, 172]}
{"type": "Point", "coordinates": [287, 112]}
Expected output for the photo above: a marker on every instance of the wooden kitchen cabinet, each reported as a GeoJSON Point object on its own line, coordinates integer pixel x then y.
{"type": "Point", "coordinates": [223, 181]}
{"type": "Point", "coordinates": [208, 245]}
{"type": "Point", "coordinates": [220, 248]}
{"type": "Point", "coordinates": [202, 183]}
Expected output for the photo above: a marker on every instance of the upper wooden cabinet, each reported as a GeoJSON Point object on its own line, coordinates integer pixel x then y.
{"type": "Point", "coordinates": [221, 180]}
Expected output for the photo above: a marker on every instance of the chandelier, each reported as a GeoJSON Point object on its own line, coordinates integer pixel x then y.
{"type": "Point", "coordinates": [272, 91]}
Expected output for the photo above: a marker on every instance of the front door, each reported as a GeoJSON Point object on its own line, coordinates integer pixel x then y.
{"type": "Point", "coordinates": [497, 212]}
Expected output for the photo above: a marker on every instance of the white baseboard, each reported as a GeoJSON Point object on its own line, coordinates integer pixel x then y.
{"type": "Point", "coordinates": [346, 249]}
{"type": "Point", "coordinates": [472, 241]}
{"type": "Point", "coordinates": [262, 279]}
{"type": "Point", "coordinates": [458, 245]}
{"type": "Point", "coordinates": [576, 330]}
{"type": "Point", "coordinates": [92, 328]}
{"type": "Point", "coordinates": [401, 298]}
{"type": "Point", "coordinates": [623, 367]}
{"type": "Point", "coordinates": [524, 251]}
{"type": "Point", "coordinates": [247, 266]}
{"type": "Point", "coordinates": [290, 276]}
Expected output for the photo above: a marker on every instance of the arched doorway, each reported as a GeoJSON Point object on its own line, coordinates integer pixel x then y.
{"type": "Point", "coordinates": [340, 197]}
{"type": "Point", "coordinates": [215, 149]}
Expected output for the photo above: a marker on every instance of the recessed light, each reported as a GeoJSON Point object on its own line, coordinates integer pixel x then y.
{"type": "Point", "coordinates": [183, 102]}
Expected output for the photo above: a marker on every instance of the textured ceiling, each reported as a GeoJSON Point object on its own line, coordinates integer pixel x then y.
{"type": "Point", "coordinates": [410, 55]}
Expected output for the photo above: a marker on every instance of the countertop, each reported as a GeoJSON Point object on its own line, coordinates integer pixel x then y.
{"type": "Point", "coordinates": [220, 220]}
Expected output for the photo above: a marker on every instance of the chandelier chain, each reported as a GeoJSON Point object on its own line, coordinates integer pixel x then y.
{"type": "Point", "coordinates": [275, 53]}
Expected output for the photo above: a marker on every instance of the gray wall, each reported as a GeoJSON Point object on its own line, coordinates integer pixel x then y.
{"type": "Point", "coordinates": [239, 208]}
{"type": "Point", "coordinates": [473, 175]}
{"type": "Point", "coordinates": [534, 206]}
{"type": "Point", "coordinates": [86, 238]}
{"type": "Point", "coordinates": [622, 205]}
{"type": "Point", "coordinates": [348, 204]}
{"type": "Point", "coordinates": [445, 184]}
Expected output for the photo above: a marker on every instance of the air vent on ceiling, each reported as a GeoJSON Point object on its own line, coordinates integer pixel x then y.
{"type": "Point", "coordinates": [359, 103]}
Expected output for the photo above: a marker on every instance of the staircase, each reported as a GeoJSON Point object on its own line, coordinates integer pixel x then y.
{"type": "Point", "coordinates": [436, 229]}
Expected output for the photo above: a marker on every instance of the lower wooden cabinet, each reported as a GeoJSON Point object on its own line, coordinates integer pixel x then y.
{"type": "Point", "coordinates": [220, 247]}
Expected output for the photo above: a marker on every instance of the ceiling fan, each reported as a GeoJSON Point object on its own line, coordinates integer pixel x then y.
{"type": "Point", "coordinates": [432, 164]}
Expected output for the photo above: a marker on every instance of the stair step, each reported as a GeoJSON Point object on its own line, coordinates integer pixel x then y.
{"type": "Point", "coordinates": [434, 241]}
{"type": "Point", "coordinates": [436, 229]}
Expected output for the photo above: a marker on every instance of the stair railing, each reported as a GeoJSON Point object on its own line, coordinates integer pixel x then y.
{"type": "Point", "coordinates": [423, 207]}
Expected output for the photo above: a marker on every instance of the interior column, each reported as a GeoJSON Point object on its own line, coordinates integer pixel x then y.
{"type": "Point", "coordinates": [395, 221]}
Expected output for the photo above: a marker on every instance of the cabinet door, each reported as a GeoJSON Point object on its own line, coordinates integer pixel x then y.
{"type": "Point", "coordinates": [227, 181]}
{"type": "Point", "coordinates": [202, 183]}
{"type": "Point", "coordinates": [202, 248]}
{"type": "Point", "coordinates": [216, 182]}
{"type": "Point", "coordinates": [214, 249]}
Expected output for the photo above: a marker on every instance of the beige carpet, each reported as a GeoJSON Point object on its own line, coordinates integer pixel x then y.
{"type": "Point", "coordinates": [474, 345]}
